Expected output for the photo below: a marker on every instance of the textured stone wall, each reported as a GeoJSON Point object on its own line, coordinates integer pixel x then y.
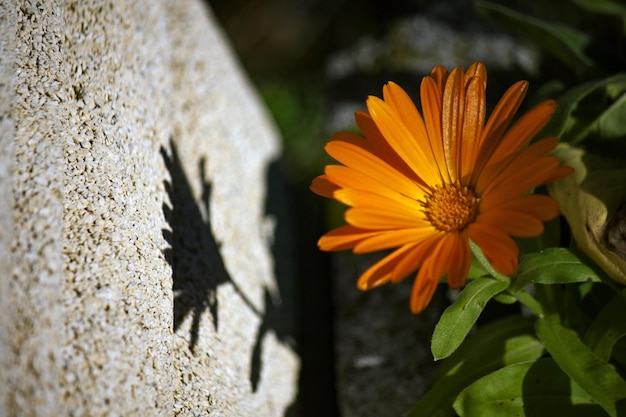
{"type": "Point", "coordinates": [135, 250]}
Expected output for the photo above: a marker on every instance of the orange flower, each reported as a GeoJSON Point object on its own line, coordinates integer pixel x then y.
{"type": "Point", "coordinates": [427, 183]}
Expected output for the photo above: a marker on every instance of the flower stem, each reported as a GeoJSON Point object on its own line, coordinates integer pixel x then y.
{"type": "Point", "coordinates": [530, 303]}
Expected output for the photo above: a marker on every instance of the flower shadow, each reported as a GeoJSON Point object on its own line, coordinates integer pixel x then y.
{"type": "Point", "coordinates": [198, 268]}
{"type": "Point", "coordinates": [194, 254]}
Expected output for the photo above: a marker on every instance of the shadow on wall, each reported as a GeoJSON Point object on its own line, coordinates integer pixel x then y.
{"type": "Point", "coordinates": [198, 268]}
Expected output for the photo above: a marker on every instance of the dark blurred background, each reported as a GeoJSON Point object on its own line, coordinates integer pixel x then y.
{"type": "Point", "coordinates": [314, 62]}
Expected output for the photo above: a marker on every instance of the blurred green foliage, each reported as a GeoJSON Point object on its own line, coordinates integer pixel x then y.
{"type": "Point", "coordinates": [298, 107]}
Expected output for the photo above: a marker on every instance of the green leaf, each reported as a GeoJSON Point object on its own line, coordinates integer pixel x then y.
{"type": "Point", "coordinates": [591, 111]}
{"type": "Point", "coordinates": [537, 388]}
{"type": "Point", "coordinates": [476, 270]}
{"type": "Point", "coordinates": [505, 298]}
{"type": "Point", "coordinates": [483, 263]}
{"type": "Point", "coordinates": [615, 8]}
{"type": "Point", "coordinates": [457, 320]}
{"type": "Point", "coordinates": [552, 266]}
{"type": "Point", "coordinates": [610, 7]}
{"type": "Point", "coordinates": [497, 344]}
{"type": "Point", "coordinates": [608, 327]}
{"type": "Point", "coordinates": [619, 353]}
{"type": "Point", "coordinates": [563, 42]}
{"type": "Point", "coordinates": [608, 124]}
{"type": "Point", "coordinates": [597, 377]}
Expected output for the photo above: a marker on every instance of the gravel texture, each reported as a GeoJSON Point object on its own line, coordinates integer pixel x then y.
{"type": "Point", "coordinates": [136, 250]}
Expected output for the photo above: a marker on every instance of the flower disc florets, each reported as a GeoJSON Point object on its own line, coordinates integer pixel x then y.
{"type": "Point", "coordinates": [451, 207]}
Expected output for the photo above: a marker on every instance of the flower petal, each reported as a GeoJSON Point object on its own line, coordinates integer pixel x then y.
{"type": "Point", "coordinates": [380, 272]}
{"type": "Point", "coordinates": [439, 75]}
{"type": "Point", "coordinates": [431, 96]}
{"type": "Point", "coordinates": [428, 276]}
{"type": "Point", "coordinates": [460, 259]}
{"type": "Point", "coordinates": [344, 237]}
{"type": "Point", "coordinates": [536, 173]}
{"type": "Point", "coordinates": [353, 138]}
{"type": "Point", "coordinates": [404, 107]}
{"type": "Point", "coordinates": [413, 259]}
{"type": "Point", "coordinates": [321, 185]}
{"type": "Point", "coordinates": [514, 223]}
{"type": "Point", "coordinates": [452, 120]}
{"type": "Point", "coordinates": [541, 206]}
{"type": "Point", "coordinates": [381, 147]}
{"type": "Point", "coordinates": [361, 160]}
{"type": "Point", "coordinates": [524, 130]}
{"type": "Point", "coordinates": [528, 169]}
{"type": "Point", "coordinates": [562, 171]}
{"type": "Point", "coordinates": [473, 121]}
{"type": "Point", "coordinates": [477, 69]}
{"type": "Point", "coordinates": [381, 218]}
{"type": "Point", "coordinates": [346, 177]}
{"type": "Point", "coordinates": [393, 239]}
{"type": "Point", "coordinates": [402, 104]}
{"type": "Point", "coordinates": [402, 140]}
{"type": "Point", "coordinates": [423, 290]}
{"type": "Point", "coordinates": [497, 124]}
{"type": "Point", "coordinates": [402, 205]}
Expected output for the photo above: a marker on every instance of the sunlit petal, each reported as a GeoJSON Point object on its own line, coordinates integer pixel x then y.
{"type": "Point", "coordinates": [522, 171]}
{"type": "Point", "coordinates": [452, 121]}
{"type": "Point", "coordinates": [524, 130]}
{"type": "Point", "coordinates": [394, 238]}
{"type": "Point", "coordinates": [473, 121]}
{"type": "Point", "coordinates": [382, 218]}
{"type": "Point", "coordinates": [344, 237]}
{"type": "Point", "coordinates": [431, 106]}
{"type": "Point", "coordinates": [497, 124]}
{"type": "Point", "coordinates": [361, 160]}
{"type": "Point", "coordinates": [380, 272]}
{"type": "Point", "coordinates": [402, 140]}
{"type": "Point", "coordinates": [346, 177]}
{"type": "Point", "coordinates": [381, 147]}
{"type": "Point", "coordinates": [413, 259]}
{"type": "Point", "coordinates": [321, 185]}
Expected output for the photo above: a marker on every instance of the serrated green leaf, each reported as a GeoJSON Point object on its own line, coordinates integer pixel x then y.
{"type": "Point", "coordinates": [563, 42]}
{"type": "Point", "coordinates": [458, 319]}
{"type": "Point", "coordinates": [552, 266]}
{"type": "Point", "coordinates": [582, 111]}
{"type": "Point", "coordinates": [608, 327]}
{"type": "Point", "coordinates": [497, 344]}
{"type": "Point", "coordinates": [537, 388]}
{"type": "Point", "coordinates": [597, 377]}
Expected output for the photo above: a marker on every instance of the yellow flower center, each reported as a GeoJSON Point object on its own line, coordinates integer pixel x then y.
{"type": "Point", "coordinates": [451, 207]}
